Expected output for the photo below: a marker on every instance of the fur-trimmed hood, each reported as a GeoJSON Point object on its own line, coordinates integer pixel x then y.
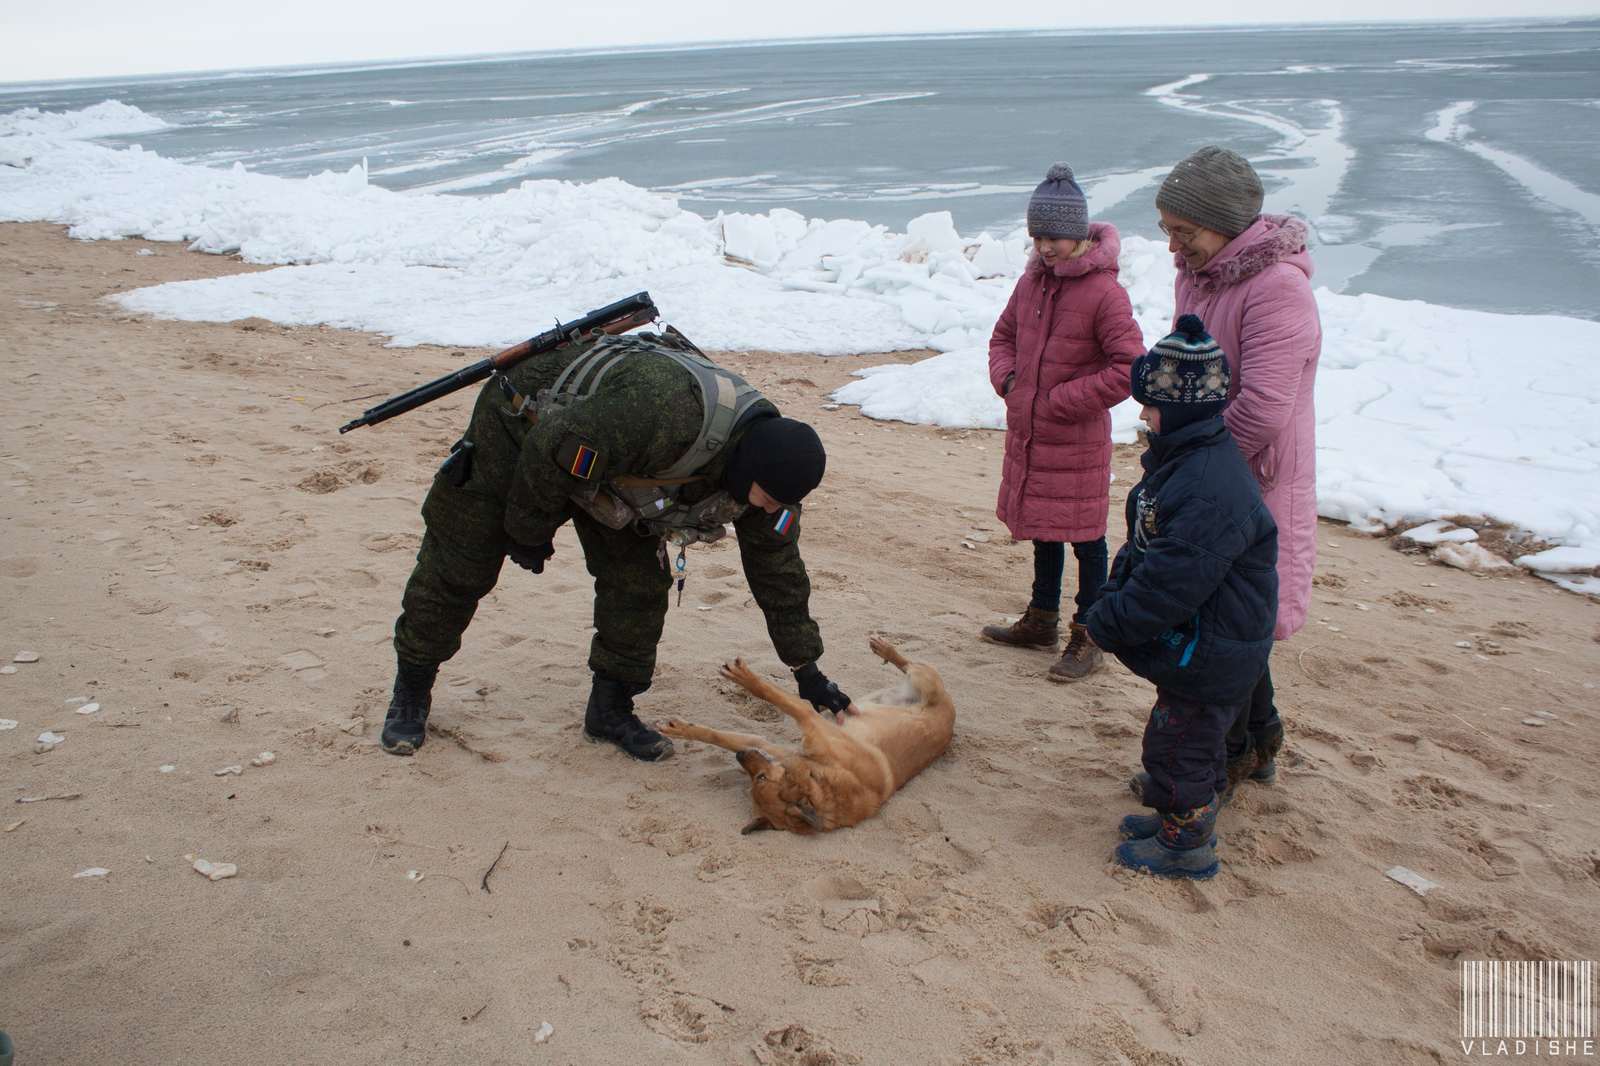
{"type": "Point", "coordinates": [1270, 239]}
{"type": "Point", "coordinates": [1102, 255]}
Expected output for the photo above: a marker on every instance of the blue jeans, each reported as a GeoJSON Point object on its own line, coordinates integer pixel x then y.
{"type": "Point", "coordinates": [1050, 563]}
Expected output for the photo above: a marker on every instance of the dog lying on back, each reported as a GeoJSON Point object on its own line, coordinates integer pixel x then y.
{"type": "Point", "coordinates": [846, 769]}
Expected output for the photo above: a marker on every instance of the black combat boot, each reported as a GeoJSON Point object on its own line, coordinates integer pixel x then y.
{"type": "Point", "coordinates": [406, 725]}
{"type": "Point", "coordinates": [609, 716]}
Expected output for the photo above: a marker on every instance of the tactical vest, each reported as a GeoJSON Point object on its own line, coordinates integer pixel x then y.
{"type": "Point", "coordinates": [650, 504]}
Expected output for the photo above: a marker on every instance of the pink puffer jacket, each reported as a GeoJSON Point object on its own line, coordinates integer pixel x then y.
{"type": "Point", "coordinates": [1255, 298]}
{"type": "Point", "coordinates": [1069, 336]}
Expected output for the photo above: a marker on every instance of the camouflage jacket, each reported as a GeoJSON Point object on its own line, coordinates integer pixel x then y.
{"type": "Point", "coordinates": [645, 416]}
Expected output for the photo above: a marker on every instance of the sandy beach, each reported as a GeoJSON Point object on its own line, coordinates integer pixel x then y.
{"type": "Point", "coordinates": [189, 544]}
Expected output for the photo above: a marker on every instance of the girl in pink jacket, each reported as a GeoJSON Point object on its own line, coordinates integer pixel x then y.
{"type": "Point", "coordinates": [1059, 356]}
{"type": "Point", "coordinates": [1248, 276]}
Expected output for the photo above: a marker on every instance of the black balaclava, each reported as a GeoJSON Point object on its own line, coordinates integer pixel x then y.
{"type": "Point", "coordinates": [783, 456]}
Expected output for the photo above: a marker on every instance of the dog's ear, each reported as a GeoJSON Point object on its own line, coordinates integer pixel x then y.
{"type": "Point", "coordinates": [809, 813]}
{"type": "Point", "coordinates": [755, 761]}
{"type": "Point", "coordinates": [756, 825]}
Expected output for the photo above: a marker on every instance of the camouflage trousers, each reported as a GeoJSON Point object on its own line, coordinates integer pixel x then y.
{"type": "Point", "coordinates": [463, 550]}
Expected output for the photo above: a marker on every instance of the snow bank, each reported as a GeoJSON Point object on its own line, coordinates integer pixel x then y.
{"type": "Point", "coordinates": [1423, 411]}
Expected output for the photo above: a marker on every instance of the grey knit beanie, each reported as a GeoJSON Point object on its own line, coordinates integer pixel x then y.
{"type": "Point", "coordinates": [1058, 208]}
{"type": "Point", "coordinates": [1214, 188]}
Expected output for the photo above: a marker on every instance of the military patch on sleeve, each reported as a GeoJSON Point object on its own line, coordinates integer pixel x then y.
{"type": "Point", "coordinates": [783, 523]}
{"type": "Point", "coordinates": [580, 460]}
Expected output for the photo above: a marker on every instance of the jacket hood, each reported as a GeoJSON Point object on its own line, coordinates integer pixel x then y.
{"type": "Point", "coordinates": [1163, 446]}
{"type": "Point", "coordinates": [1102, 255]}
{"type": "Point", "coordinates": [1271, 239]}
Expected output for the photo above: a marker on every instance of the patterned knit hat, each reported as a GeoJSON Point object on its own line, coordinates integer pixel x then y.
{"type": "Point", "coordinates": [1214, 188]}
{"type": "Point", "coordinates": [1185, 376]}
{"type": "Point", "coordinates": [1058, 208]}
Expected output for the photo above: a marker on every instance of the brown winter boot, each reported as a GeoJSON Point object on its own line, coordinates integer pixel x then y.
{"type": "Point", "coordinates": [1035, 629]}
{"type": "Point", "coordinates": [1080, 658]}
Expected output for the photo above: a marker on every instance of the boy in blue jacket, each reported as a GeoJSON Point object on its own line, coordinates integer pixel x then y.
{"type": "Point", "coordinates": [1191, 601]}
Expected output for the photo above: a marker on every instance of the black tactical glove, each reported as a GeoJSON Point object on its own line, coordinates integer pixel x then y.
{"type": "Point", "coordinates": [530, 557]}
{"type": "Point", "coordinates": [823, 694]}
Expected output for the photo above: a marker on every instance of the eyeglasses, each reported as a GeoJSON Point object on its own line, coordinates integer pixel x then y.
{"type": "Point", "coordinates": [1181, 236]}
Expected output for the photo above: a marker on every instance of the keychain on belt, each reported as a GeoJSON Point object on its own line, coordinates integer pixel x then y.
{"type": "Point", "coordinates": [677, 568]}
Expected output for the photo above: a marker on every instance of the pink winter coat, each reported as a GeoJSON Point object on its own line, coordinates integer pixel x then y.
{"type": "Point", "coordinates": [1255, 298]}
{"type": "Point", "coordinates": [1069, 336]}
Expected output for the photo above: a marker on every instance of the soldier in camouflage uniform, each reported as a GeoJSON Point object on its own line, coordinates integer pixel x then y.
{"type": "Point", "coordinates": [529, 463]}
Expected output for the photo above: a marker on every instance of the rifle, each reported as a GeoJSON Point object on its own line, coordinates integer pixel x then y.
{"type": "Point", "coordinates": [628, 313]}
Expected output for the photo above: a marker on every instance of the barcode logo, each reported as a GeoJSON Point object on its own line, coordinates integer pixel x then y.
{"type": "Point", "coordinates": [1503, 1000]}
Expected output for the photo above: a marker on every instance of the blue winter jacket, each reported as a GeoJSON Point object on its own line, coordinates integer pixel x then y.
{"type": "Point", "coordinates": [1193, 594]}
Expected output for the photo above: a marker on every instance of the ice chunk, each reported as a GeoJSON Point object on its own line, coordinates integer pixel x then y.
{"type": "Point", "coordinates": [1473, 557]}
{"type": "Point", "coordinates": [1567, 559]}
{"type": "Point", "coordinates": [1439, 532]}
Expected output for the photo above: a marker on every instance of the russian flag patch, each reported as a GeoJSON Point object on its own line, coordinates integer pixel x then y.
{"type": "Point", "coordinates": [583, 462]}
{"type": "Point", "coordinates": [784, 522]}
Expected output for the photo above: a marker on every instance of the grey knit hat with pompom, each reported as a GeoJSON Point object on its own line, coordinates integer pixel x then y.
{"type": "Point", "coordinates": [1058, 208]}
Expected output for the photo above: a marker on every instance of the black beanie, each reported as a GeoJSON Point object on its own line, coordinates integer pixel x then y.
{"type": "Point", "coordinates": [1185, 376]}
{"type": "Point", "coordinates": [783, 456]}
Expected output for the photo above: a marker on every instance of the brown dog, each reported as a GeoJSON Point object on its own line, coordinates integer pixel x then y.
{"type": "Point", "coordinates": [845, 770]}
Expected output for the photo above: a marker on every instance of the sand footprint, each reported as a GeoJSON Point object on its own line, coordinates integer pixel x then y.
{"type": "Point", "coordinates": [1500, 862]}
{"type": "Point", "coordinates": [333, 478]}
{"type": "Point", "coordinates": [817, 971]}
{"type": "Point", "coordinates": [1173, 998]}
{"type": "Point", "coordinates": [1427, 792]}
{"type": "Point", "coordinates": [795, 1045]}
{"type": "Point", "coordinates": [682, 1016]}
{"type": "Point", "coordinates": [390, 542]}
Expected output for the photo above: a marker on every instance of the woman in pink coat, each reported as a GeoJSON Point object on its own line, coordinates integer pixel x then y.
{"type": "Point", "coordinates": [1059, 356]}
{"type": "Point", "coordinates": [1248, 277]}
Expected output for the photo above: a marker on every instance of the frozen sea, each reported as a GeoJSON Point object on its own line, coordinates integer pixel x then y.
{"type": "Point", "coordinates": [1457, 164]}
{"type": "Point", "coordinates": [846, 197]}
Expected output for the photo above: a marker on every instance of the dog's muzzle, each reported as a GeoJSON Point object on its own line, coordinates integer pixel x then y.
{"type": "Point", "coordinates": [753, 759]}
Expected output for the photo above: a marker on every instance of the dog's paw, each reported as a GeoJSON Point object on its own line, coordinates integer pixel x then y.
{"type": "Point", "coordinates": [740, 674]}
{"type": "Point", "coordinates": [886, 651]}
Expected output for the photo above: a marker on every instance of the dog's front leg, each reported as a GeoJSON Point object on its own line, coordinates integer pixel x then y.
{"type": "Point", "coordinates": [735, 742]}
{"type": "Point", "coordinates": [762, 689]}
{"type": "Point", "coordinates": [817, 730]}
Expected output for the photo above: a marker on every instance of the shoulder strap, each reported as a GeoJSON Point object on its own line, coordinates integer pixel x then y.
{"type": "Point", "coordinates": [726, 396]}
{"type": "Point", "coordinates": [570, 384]}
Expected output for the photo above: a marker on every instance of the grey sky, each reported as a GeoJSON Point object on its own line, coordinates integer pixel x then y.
{"type": "Point", "coordinates": [101, 38]}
